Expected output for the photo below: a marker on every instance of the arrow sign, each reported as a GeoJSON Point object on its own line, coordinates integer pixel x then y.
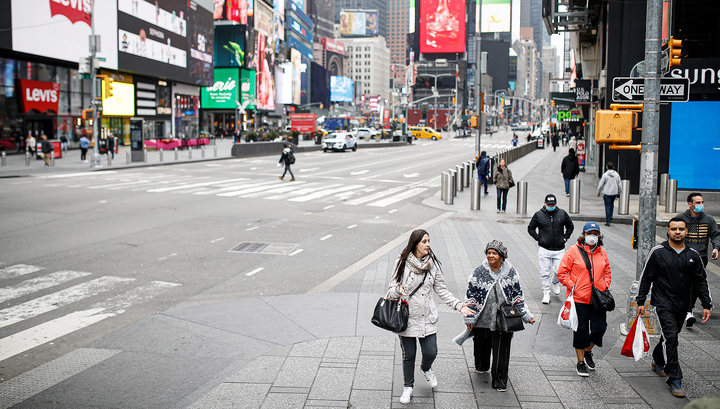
{"type": "Point", "coordinates": [633, 89]}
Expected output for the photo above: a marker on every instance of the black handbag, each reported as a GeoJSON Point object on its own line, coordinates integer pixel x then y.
{"type": "Point", "coordinates": [600, 300]}
{"type": "Point", "coordinates": [509, 319]}
{"type": "Point", "coordinates": [393, 315]}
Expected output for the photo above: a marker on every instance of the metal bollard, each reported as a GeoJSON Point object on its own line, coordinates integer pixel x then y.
{"type": "Point", "coordinates": [475, 188]}
{"type": "Point", "coordinates": [453, 181]}
{"type": "Point", "coordinates": [450, 188]}
{"type": "Point", "coordinates": [52, 158]}
{"type": "Point", "coordinates": [215, 151]}
{"type": "Point", "coordinates": [160, 151]}
{"type": "Point", "coordinates": [468, 174]}
{"type": "Point", "coordinates": [127, 157]}
{"type": "Point", "coordinates": [27, 158]}
{"type": "Point", "coordinates": [624, 202]}
{"type": "Point", "coordinates": [202, 151]}
{"type": "Point", "coordinates": [671, 205]}
{"type": "Point", "coordinates": [176, 154]}
{"type": "Point", "coordinates": [109, 159]}
{"type": "Point", "coordinates": [144, 155]}
{"type": "Point", "coordinates": [664, 180]}
{"type": "Point", "coordinates": [443, 181]}
{"type": "Point", "coordinates": [4, 159]}
{"type": "Point", "coordinates": [574, 206]}
{"type": "Point", "coordinates": [460, 177]}
{"type": "Point", "coordinates": [189, 152]}
{"type": "Point", "coordinates": [522, 189]}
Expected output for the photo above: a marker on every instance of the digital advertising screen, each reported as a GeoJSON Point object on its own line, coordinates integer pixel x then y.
{"type": "Point", "coordinates": [695, 133]}
{"type": "Point", "coordinates": [122, 103]}
{"type": "Point", "coordinates": [265, 82]}
{"type": "Point", "coordinates": [442, 26]}
{"type": "Point", "coordinates": [224, 92]}
{"type": "Point", "coordinates": [283, 83]}
{"type": "Point", "coordinates": [341, 89]}
{"type": "Point", "coordinates": [358, 23]}
{"type": "Point", "coordinates": [166, 38]}
{"type": "Point", "coordinates": [296, 60]}
{"type": "Point", "coordinates": [279, 19]}
{"type": "Point", "coordinates": [247, 87]}
{"type": "Point", "coordinates": [230, 46]}
{"type": "Point", "coordinates": [495, 16]}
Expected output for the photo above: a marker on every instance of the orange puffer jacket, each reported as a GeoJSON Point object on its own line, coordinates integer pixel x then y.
{"type": "Point", "coordinates": [573, 271]}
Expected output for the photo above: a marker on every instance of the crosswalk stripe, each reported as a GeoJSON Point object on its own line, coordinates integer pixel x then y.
{"type": "Point", "coordinates": [309, 188]}
{"type": "Point", "coordinates": [191, 185]}
{"type": "Point", "coordinates": [401, 196]}
{"type": "Point", "coordinates": [256, 188]}
{"type": "Point", "coordinates": [377, 195]}
{"type": "Point", "coordinates": [322, 193]}
{"type": "Point", "coordinates": [235, 187]}
{"type": "Point", "coordinates": [110, 184]}
{"type": "Point", "coordinates": [39, 283]}
{"type": "Point", "coordinates": [17, 271]}
{"type": "Point", "coordinates": [281, 189]}
{"type": "Point", "coordinates": [50, 302]}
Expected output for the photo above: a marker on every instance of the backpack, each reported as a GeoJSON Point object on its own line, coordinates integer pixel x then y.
{"type": "Point", "coordinates": [291, 158]}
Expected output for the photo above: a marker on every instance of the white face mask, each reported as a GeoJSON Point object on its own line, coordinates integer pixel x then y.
{"type": "Point", "coordinates": [591, 239]}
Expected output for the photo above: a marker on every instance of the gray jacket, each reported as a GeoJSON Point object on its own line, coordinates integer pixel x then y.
{"type": "Point", "coordinates": [423, 310]}
{"type": "Point", "coordinates": [502, 179]}
{"type": "Point", "coordinates": [610, 184]}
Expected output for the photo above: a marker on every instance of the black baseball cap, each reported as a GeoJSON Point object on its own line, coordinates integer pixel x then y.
{"type": "Point", "coordinates": [551, 199]}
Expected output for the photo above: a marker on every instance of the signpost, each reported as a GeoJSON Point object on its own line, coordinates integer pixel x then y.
{"type": "Point", "coordinates": [633, 89]}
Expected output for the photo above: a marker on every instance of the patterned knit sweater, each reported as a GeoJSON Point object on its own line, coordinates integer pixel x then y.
{"type": "Point", "coordinates": [482, 281]}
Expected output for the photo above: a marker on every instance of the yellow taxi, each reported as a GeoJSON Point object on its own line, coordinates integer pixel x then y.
{"type": "Point", "coordinates": [424, 132]}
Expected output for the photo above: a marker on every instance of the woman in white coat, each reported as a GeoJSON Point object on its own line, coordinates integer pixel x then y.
{"type": "Point", "coordinates": [417, 267]}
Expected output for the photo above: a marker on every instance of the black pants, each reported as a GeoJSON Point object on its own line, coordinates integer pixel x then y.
{"type": "Point", "coordinates": [666, 351]}
{"type": "Point", "coordinates": [592, 325]}
{"type": "Point", "coordinates": [502, 194]}
{"type": "Point", "coordinates": [287, 169]}
{"type": "Point", "coordinates": [428, 345]}
{"type": "Point", "coordinates": [486, 341]}
{"type": "Point", "coordinates": [83, 153]}
{"type": "Point", "coordinates": [692, 290]}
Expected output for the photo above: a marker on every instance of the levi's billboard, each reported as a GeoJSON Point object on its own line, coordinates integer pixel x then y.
{"type": "Point", "coordinates": [40, 96]}
{"type": "Point", "coordinates": [60, 29]}
{"type": "Point", "coordinates": [442, 26]}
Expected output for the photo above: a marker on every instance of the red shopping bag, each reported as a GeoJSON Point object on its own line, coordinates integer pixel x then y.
{"type": "Point", "coordinates": [637, 342]}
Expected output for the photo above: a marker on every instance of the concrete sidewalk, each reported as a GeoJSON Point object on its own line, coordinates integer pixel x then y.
{"type": "Point", "coordinates": [320, 349]}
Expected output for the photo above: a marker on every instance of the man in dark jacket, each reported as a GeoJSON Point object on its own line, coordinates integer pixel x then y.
{"type": "Point", "coordinates": [46, 149]}
{"type": "Point", "coordinates": [674, 270]}
{"type": "Point", "coordinates": [551, 227]}
{"type": "Point", "coordinates": [701, 227]}
{"type": "Point", "coordinates": [569, 169]}
{"type": "Point", "coordinates": [555, 142]}
{"type": "Point", "coordinates": [483, 169]}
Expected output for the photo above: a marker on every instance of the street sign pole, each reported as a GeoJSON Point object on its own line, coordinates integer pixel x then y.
{"type": "Point", "coordinates": [95, 160]}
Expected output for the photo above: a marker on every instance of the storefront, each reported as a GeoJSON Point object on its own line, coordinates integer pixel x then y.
{"type": "Point", "coordinates": [186, 109]}
{"type": "Point", "coordinates": [219, 102]}
{"type": "Point", "coordinates": [154, 106]}
{"type": "Point", "coordinates": [118, 108]}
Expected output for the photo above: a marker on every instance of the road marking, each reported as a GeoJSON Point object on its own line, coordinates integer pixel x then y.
{"type": "Point", "coordinates": [217, 240]}
{"type": "Point", "coordinates": [252, 228]}
{"type": "Point", "coordinates": [352, 226]}
{"type": "Point", "coordinates": [257, 270]}
{"type": "Point", "coordinates": [326, 237]}
{"type": "Point", "coordinates": [167, 257]}
{"type": "Point", "coordinates": [401, 196]}
{"type": "Point", "coordinates": [191, 185]}
{"type": "Point", "coordinates": [295, 252]}
{"type": "Point", "coordinates": [411, 175]}
{"type": "Point", "coordinates": [377, 217]}
{"type": "Point", "coordinates": [392, 211]}
{"type": "Point", "coordinates": [72, 175]}
{"type": "Point", "coordinates": [17, 271]}
{"type": "Point", "coordinates": [39, 283]}
{"type": "Point", "coordinates": [328, 207]}
{"type": "Point", "coordinates": [234, 187]}
{"type": "Point", "coordinates": [103, 201]}
{"type": "Point", "coordinates": [308, 170]}
{"type": "Point", "coordinates": [360, 172]}
{"type": "Point", "coordinates": [255, 188]}
{"type": "Point", "coordinates": [374, 196]}
{"type": "Point", "coordinates": [323, 193]}
{"type": "Point", "coordinates": [58, 299]}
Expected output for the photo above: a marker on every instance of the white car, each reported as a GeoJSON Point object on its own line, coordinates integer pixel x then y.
{"type": "Point", "coordinates": [339, 141]}
{"type": "Point", "coordinates": [362, 132]}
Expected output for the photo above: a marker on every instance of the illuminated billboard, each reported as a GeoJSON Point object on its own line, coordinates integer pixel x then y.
{"type": "Point", "coordinates": [283, 83]}
{"type": "Point", "coordinates": [224, 92]}
{"type": "Point", "coordinates": [296, 59]}
{"type": "Point", "coordinates": [495, 16]}
{"type": "Point", "coordinates": [442, 26]}
{"type": "Point", "coordinates": [265, 74]}
{"type": "Point", "coordinates": [358, 23]}
{"type": "Point", "coordinates": [341, 89]}
{"type": "Point", "coordinates": [122, 103]}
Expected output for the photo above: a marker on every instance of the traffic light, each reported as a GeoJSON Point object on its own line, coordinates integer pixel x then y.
{"type": "Point", "coordinates": [614, 126]}
{"type": "Point", "coordinates": [87, 114]}
{"type": "Point", "coordinates": [552, 102]}
{"type": "Point", "coordinates": [474, 121]}
{"type": "Point", "coordinates": [675, 47]}
{"type": "Point", "coordinates": [108, 87]}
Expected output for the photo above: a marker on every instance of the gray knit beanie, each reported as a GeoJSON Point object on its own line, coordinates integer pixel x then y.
{"type": "Point", "coordinates": [499, 247]}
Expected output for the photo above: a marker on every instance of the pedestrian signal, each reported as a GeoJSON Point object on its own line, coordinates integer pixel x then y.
{"type": "Point", "coordinates": [614, 126]}
{"type": "Point", "coordinates": [474, 121]}
{"type": "Point", "coordinates": [675, 47]}
{"type": "Point", "coordinates": [108, 87]}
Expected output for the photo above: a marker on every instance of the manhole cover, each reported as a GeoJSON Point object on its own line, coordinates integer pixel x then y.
{"type": "Point", "coordinates": [512, 221]}
{"type": "Point", "coordinates": [282, 249]}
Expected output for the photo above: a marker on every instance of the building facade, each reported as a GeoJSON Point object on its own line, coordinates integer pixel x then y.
{"type": "Point", "coordinates": [368, 62]}
{"type": "Point", "coordinates": [397, 32]}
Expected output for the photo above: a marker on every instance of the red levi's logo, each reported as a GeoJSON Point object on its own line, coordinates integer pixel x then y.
{"type": "Point", "coordinates": [39, 95]}
{"type": "Point", "coordinates": [74, 10]}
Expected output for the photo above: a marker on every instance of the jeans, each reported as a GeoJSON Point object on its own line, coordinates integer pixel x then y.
{"type": "Point", "coordinates": [502, 194]}
{"type": "Point", "coordinates": [592, 325]}
{"type": "Point", "coordinates": [567, 186]}
{"type": "Point", "coordinates": [484, 179]}
{"type": "Point", "coordinates": [485, 342]}
{"type": "Point", "coordinates": [287, 169]}
{"type": "Point", "coordinates": [609, 207]}
{"type": "Point", "coordinates": [666, 351]}
{"type": "Point", "coordinates": [549, 261]}
{"type": "Point", "coordinates": [63, 146]}
{"type": "Point", "coordinates": [428, 345]}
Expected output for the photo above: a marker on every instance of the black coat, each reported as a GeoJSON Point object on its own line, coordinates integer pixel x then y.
{"type": "Point", "coordinates": [671, 275]}
{"type": "Point", "coordinates": [699, 231]}
{"type": "Point", "coordinates": [46, 147]}
{"type": "Point", "coordinates": [551, 229]}
{"type": "Point", "coordinates": [570, 167]}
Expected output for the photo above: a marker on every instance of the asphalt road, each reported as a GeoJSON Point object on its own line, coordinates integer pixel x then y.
{"type": "Point", "coordinates": [85, 254]}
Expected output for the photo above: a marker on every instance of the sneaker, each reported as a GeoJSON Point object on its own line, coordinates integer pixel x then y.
{"type": "Point", "coordinates": [430, 378]}
{"type": "Point", "coordinates": [292, 179]}
{"type": "Point", "coordinates": [581, 369]}
{"type": "Point", "coordinates": [501, 388]}
{"type": "Point", "coordinates": [546, 297]}
{"type": "Point", "coordinates": [589, 360]}
{"type": "Point", "coordinates": [556, 288]}
{"type": "Point", "coordinates": [567, 194]}
{"type": "Point", "coordinates": [659, 369]}
{"type": "Point", "coordinates": [281, 178]}
{"type": "Point", "coordinates": [481, 370]}
{"type": "Point", "coordinates": [690, 320]}
{"type": "Point", "coordinates": [676, 388]}
{"type": "Point", "coordinates": [407, 393]}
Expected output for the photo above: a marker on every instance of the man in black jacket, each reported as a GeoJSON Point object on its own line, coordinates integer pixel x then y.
{"type": "Point", "coordinates": [46, 149]}
{"type": "Point", "coordinates": [551, 227]}
{"type": "Point", "coordinates": [570, 168]}
{"type": "Point", "coordinates": [672, 268]}
{"type": "Point", "coordinates": [700, 227]}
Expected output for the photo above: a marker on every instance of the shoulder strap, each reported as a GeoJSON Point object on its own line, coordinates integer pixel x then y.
{"type": "Point", "coordinates": [587, 263]}
{"type": "Point", "coordinates": [418, 287]}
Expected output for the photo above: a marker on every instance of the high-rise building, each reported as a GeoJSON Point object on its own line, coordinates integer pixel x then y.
{"type": "Point", "coordinates": [369, 58]}
{"type": "Point", "coordinates": [380, 5]}
{"type": "Point", "coordinates": [322, 12]}
{"type": "Point", "coordinates": [397, 30]}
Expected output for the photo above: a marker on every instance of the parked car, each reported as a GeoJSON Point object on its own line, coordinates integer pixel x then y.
{"type": "Point", "coordinates": [363, 132]}
{"type": "Point", "coordinates": [423, 132]}
{"type": "Point", "coordinates": [339, 141]}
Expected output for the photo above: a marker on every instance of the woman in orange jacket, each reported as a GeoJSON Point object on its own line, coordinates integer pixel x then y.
{"type": "Point", "coordinates": [573, 272]}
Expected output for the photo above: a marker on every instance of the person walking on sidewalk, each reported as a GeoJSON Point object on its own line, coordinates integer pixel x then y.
{"type": "Point", "coordinates": [575, 276]}
{"type": "Point", "coordinates": [555, 141]}
{"type": "Point", "coordinates": [46, 148]}
{"type": "Point", "coordinates": [569, 168]}
{"type": "Point", "coordinates": [503, 182]}
{"type": "Point", "coordinates": [84, 143]}
{"type": "Point", "coordinates": [675, 271]}
{"type": "Point", "coordinates": [31, 144]}
{"type": "Point", "coordinates": [551, 227]}
{"type": "Point", "coordinates": [701, 227]}
{"type": "Point", "coordinates": [611, 188]}
{"type": "Point", "coordinates": [417, 267]}
{"type": "Point", "coordinates": [494, 283]}
{"type": "Point", "coordinates": [483, 169]}
{"type": "Point", "coordinates": [288, 158]}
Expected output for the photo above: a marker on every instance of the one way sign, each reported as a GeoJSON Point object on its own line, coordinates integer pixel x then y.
{"type": "Point", "coordinates": [632, 89]}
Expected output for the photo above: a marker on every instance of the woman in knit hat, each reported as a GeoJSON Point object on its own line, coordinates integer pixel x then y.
{"type": "Point", "coordinates": [494, 283]}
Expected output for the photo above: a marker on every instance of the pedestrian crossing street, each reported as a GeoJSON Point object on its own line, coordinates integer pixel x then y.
{"type": "Point", "coordinates": [28, 292]}
{"type": "Point", "coordinates": [367, 192]}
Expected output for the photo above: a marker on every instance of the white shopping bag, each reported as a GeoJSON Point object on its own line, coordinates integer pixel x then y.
{"type": "Point", "coordinates": [568, 315]}
{"type": "Point", "coordinates": [641, 342]}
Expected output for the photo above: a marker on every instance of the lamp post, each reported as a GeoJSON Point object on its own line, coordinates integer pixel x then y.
{"type": "Point", "coordinates": [434, 90]}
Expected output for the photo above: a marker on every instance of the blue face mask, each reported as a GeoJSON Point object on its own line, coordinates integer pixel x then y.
{"type": "Point", "coordinates": [699, 208]}
{"type": "Point", "coordinates": [550, 208]}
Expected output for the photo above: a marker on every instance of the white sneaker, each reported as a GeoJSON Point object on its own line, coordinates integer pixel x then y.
{"type": "Point", "coordinates": [556, 288]}
{"type": "Point", "coordinates": [430, 378]}
{"type": "Point", "coordinates": [690, 320]}
{"type": "Point", "coordinates": [546, 297]}
{"type": "Point", "coordinates": [407, 393]}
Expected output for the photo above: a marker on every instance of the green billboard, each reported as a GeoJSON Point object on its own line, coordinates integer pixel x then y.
{"type": "Point", "coordinates": [224, 92]}
{"type": "Point", "coordinates": [247, 88]}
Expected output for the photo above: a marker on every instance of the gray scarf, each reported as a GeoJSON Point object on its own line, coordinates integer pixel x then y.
{"type": "Point", "coordinates": [419, 266]}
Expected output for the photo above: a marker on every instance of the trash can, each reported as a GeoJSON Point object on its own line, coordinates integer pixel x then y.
{"type": "Point", "coordinates": [294, 139]}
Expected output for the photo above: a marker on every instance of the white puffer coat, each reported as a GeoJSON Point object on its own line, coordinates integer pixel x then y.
{"type": "Point", "coordinates": [423, 316]}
